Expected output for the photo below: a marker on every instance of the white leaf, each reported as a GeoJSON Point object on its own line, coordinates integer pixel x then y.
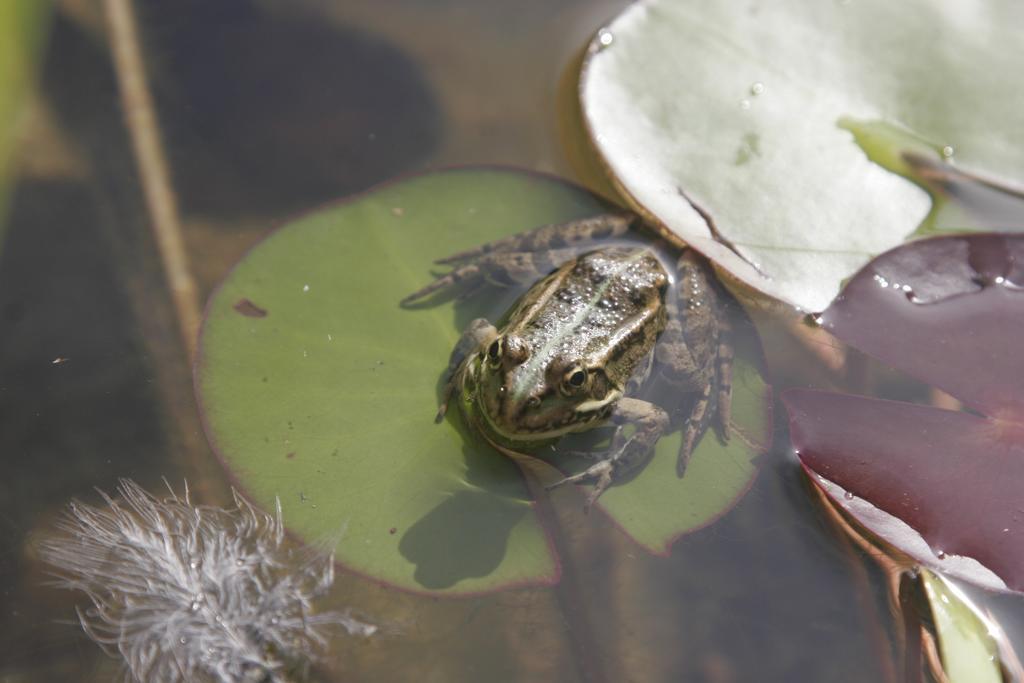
{"type": "Point", "coordinates": [740, 104]}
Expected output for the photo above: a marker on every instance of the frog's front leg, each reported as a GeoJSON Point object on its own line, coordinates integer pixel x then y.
{"type": "Point", "coordinates": [626, 453]}
{"type": "Point", "coordinates": [479, 334]}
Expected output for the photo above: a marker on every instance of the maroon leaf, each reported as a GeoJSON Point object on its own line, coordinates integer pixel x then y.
{"type": "Point", "coordinates": [953, 477]}
{"type": "Point", "coordinates": [949, 311]}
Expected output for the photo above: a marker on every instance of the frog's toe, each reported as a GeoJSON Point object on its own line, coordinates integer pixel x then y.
{"type": "Point", "coordinates": [591, 455]}
{"type": "Point", "coordinates": [600, 486]}
{"type": "Point", "coordinates": [595, 471]}
{"type": "Point", "coordinates": [725, 432]}
{"type": "Point", "coordinates": [690, 436]}
{"type": "Point", "coordinates": [681, 463]}
{"type": "Point", "coordinates": [724, 422]}
{"type": "Point", "coordinates": [464, 276]}
{"type": "Point", "coordinates": [600, 472]}
{"type": "Point", "coordinates": [565, 480]}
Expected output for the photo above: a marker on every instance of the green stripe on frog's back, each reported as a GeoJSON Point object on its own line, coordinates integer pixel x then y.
{"type": "Point", "coordinates": [590, 309]}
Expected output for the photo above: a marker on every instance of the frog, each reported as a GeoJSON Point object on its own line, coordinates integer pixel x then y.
{"type": "Point", "coordinates": [599, 318]}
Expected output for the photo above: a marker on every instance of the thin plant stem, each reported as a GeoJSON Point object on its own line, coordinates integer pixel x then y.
{"type": "Point", "coordinates": [161, 202]}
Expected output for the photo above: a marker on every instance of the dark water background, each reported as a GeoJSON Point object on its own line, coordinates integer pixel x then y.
{"type": "Point", "coordinates": [269, 108]}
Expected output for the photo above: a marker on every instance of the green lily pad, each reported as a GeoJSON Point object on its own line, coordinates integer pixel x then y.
{"type": "Point", "coordinates": [756, 112]}
{"type": "Point", "coordinates": [317, 388]}
{"type": "Point", "coordinates": [968, 640]}
{"type": "Point", "coordinates": [22, 28]}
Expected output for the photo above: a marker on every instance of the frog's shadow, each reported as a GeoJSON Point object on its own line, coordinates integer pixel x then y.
{"type": "Point", "coordinates": [466, 535]}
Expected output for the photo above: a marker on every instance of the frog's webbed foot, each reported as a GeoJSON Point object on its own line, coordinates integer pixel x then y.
{"type": "Point", "coordinates": [524, 258]}
{"type": "Point", "coordinates": [626, 454]}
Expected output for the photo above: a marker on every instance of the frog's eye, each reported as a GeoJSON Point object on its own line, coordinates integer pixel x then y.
{"type": "Point", "coordinates": [575, 378]}
{"type": "Point", "coordinates": [494, 351]}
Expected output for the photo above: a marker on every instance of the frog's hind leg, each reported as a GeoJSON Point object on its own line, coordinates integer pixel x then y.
{"type": "Point", "coordinates": [477, 335]}
{"type": "Point", "coordinates": [524, 258]}
{"type": "Point", "coordinates": [715, 399]}
{"type": "Point", "coordinates": [695, 352]}
{"type": "Point", "coordinates": [505, 269]}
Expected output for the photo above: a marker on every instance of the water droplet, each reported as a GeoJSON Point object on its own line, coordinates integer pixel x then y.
{"type": "Point", "coordinates": [948, 151]}
{"type": "Point", "coordinates": [1005, 530]}
{"type": "Point", "coordinates": [193, 564]}
{"type": "Point", "coordinates": [744, 104]}
{"type": "Point", "coordinates": [274, 620]}
{"type": "Point", "coordinates": [941, 554]}
{"type": "Point", "coordinates": [757, 88]}
{"type": "Point", "coordinates": [194, 607]}
{"type": "Point", "coordinates": [183, 640]}
{"type": "Point", "coordinates": [605, 38]}
{"type": "Point", "coordinates": [305, 288]}
{"type": "Point", "coordinates": [848, 496]}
